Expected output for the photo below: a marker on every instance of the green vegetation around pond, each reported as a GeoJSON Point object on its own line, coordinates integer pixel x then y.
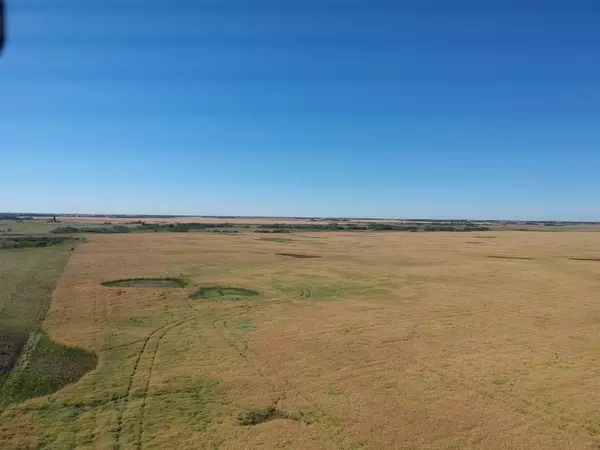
{"type": "Point", "coordinates": [225, 293]}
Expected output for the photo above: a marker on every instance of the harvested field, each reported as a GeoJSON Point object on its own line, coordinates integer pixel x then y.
{"type": "Point", "coordinates": [398, 340]}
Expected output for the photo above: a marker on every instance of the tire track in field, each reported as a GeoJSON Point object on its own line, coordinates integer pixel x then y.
{"type": "Point", "coordinates": [240, 348]}
{"type": "Point", "coordinates": [115, 347]}
{"type": "Point", "coordinates": [149, 377]}
{"type": "Point", "coordinates": [127, 344]}
{"type": "Point", "coordinates": [127, 395]}
{"type": "Point", "coordinates": [161, 332]}
{"type": "Point", "coordinates": [113, 401]}
{"type": "Point", "coordinates": [284, 385]}
{"type": "Point", "coordinates": [234, 343]}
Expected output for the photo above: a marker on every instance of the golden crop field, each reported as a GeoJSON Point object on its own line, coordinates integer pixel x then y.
{"type": "Point", "coordinates": [381, 341]}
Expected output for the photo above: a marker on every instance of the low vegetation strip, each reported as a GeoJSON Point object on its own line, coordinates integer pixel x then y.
{"type": "Point", "coordinates": [143, 226]}
{"type": "Point", "coordinates": [30, 363]}
{"type": "Point", "coordinates": [105, 230]}
{"type": "Point", "coordinates": [44, 367]}
{"type": "Point", "coordinates": [376, 226]}
{"type": "Point", "coordinates": [278, 240]}
{"type": "Point", "coordinates": [273, 227]}
{"type": "Point", "coordinates": [27, 279]}
{"type": "Point", "coordinates": [10, 242]}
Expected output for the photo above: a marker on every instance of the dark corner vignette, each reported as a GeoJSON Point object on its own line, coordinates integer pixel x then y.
{"type": "Point", "coordinates": [2, 26]}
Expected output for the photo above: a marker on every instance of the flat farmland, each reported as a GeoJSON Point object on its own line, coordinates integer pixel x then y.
{"type": "Point", "coordinates": [324, 341]}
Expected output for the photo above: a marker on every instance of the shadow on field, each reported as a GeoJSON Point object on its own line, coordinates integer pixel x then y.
{"type": "Point", "coordinates": [12, 340]}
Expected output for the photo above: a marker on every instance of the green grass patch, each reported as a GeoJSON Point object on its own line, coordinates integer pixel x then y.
{"type": "Point", "coordinates": [147, 283]}
{"type": "Point", "coordinates": [27, 279]}
{"type": "Point", "coordinates": [48, 368]}
{"type": "Point", "coordinates": [318, 289]}
{"type": "Point", "coordinates": [31, 364]}
{"type": "Point", "coordinates": [244, 324]}
{"type": "Point", "coordinates": [225, 293]}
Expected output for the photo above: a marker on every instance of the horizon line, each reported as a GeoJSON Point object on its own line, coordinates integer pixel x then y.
{"type": "Point", "coordinates": [332, 218]}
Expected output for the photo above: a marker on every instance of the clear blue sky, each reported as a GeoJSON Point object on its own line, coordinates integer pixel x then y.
{"type": "Point", "coordinates": [476, 109]}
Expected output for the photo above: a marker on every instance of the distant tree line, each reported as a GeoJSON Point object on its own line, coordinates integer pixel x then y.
{"type": "Point", "coordinates": [273, 228]}
{"type": "Point", "coordinates": [143, 226]}
{"type": "Point", "coordinates": [180, 227]}
{"type": "Point", "coordinates": [273, 231]}
{"type": "Point", "coordinates": [107, 230]}
{"type": "Point", "coordinates": [374, 226]}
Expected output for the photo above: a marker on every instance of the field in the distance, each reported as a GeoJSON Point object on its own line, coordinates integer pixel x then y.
{"type": "Point", "coordinates": [386, 340]}
{"type": "Point", "coordinates": [41, 224]}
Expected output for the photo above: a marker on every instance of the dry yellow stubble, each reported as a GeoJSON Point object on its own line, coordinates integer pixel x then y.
{"type": "Point", "coordinates": [389, 340]}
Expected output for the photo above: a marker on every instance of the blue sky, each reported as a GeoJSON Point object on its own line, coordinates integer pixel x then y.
{"type": "Point", "coordinates": [360, 108]}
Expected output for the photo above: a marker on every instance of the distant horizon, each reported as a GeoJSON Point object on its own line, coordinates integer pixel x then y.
{"type": "Point", "coordinates": [325, 217]}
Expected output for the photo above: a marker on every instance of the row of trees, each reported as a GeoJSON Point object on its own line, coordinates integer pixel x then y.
{"type": "Point", "coordinates": [110, 230]}
{"type": "Point", "coordinates": [375, 226]}
{"type": "Point", "coordinates": [272, 228]}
